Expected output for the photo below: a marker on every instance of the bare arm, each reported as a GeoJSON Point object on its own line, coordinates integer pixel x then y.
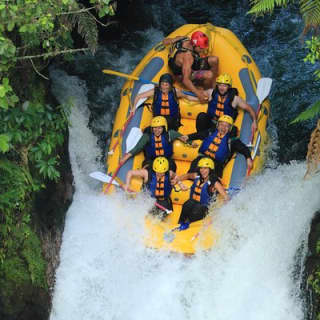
{"type": "Point", "coordinates": [125, 158]}
{"type": "Point", "coordinates": [180, 94]}
{"type": "Point", "coordinates": [142, 95]}
{"type": "Point", "coordinates": [187, 62]}
{"type": "Point", "coordinates": [238, 102]}
{"type": "Point", "coordinates": [221, 190]}
{"type": "Point", "coordinates": [142, 173]}
{"type": "Point", "coordinates": [169, 41]}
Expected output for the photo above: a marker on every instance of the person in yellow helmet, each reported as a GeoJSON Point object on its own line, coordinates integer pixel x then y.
{"type": "Point", "coordinates": [191, 64]}
{"type": "Point", "coordinates": [219, 144]}
{"type": "Point", "coordinates": [158, 182]}
{"type": "Point", "coordinates": [156, 141]}
{"type": "Point", "coordinates": [205, 188]}
{"type": "Point", "coordinates": [224, 100]}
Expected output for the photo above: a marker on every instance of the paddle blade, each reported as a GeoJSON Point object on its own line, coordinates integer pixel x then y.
{"type": "Point", "coordinates": [102, 177]}
{"type": "Point", "coordinates": [133, 138]}
{"type": "Point", "coordinates": [263, 89]}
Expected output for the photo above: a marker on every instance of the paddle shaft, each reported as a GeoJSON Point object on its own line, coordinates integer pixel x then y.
{"type": "Point", "coordinates": [113, 177]}
{"type": "Point", "coordinates": [162, 207]}
{"type": "Point", "coordinates": [122, 131]}
{"type": "Point", "coordinates": [128, 76]}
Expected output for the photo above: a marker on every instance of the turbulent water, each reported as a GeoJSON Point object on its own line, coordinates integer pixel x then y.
{"type": "Point", "coordinates": [254, 271]}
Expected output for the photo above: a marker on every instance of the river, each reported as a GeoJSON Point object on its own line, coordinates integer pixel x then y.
{"type": "Point", "coordinates": [255, 270]}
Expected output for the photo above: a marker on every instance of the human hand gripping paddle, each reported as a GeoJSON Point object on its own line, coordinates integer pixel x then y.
{"type": "Point", "coordinates": [106, 178]}
{"type": "Point", "coordinates": [133, 137]}
{"type": "Point", "coordinates": [263, 90]}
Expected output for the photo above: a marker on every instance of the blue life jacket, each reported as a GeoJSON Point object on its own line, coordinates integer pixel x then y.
{"type": "Point", "coordinates": [159, 190]}
{"type": "Point", "coordinates": [222, 153]}
{"type": "Point", "coordinates": [217, 109]}
{"type": "Point", "coordinates": [173, 108]}
{"type": "Point", "coordinates": [201, 194]}
{"type": "Point", "coordinates": [154, 149]}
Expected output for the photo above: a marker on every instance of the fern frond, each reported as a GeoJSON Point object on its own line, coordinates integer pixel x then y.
{"type": "Point", "coordinates": [88, 30]}
{"type": "Point", "coordinates": [308, 114]}
{"type": "Point", "coordinates": [260, 7]}
{"type": "Point", "coordinates": [310, 11]}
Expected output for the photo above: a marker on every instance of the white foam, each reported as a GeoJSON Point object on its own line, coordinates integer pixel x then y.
{"type": "Point", "coordinates": [107, 273]}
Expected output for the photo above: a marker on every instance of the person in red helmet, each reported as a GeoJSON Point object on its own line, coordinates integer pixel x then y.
{"type": "Point", "coordinates": [190, 65]}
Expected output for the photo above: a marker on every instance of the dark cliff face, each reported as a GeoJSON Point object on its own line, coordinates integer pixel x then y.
{"type": "Point", "coordinates": [312, 270]}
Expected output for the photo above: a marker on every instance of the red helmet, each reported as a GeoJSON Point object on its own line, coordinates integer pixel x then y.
{"type": "Point", "coordinates": [199, 39]}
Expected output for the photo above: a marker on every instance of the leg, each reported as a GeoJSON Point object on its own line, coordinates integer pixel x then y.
{"type": "Point", "coordinates": [166, 203]}
{"type": "Point", "coordinates": [203, 122]}
{"type": "Point", "coordinates": [172, 165]}
{"type": "Point", "coordinates": [186, 208]}
{"type": "Point", "coordinates": [198, 212]}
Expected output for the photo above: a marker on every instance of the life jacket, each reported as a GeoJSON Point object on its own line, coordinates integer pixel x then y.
{"type": "Point", "coordinates": [178, 48]}
{"type": "Point", "coordinates": [216, 147]}
{"type": "Point", "coordinates": [159, 146]}
{"type": "Point", "coordinates": [200, 192]}
{"type": "Point", "coordinates": [159, 188]}
{"type": "Point", "coordinates": [165, 105]}
{"type": "Point", "coordinates": [222, 105]}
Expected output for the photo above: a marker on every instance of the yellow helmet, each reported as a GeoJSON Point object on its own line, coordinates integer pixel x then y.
{"type": "Point", "coordinates": [227, 119]}
{"type": "Point", "coordinates": [225, 79]}
{"type": "Point", "coordinates": [159, 121]}
{"type": "Point", "coordinates": [160, 165]}
{"type": "Point", "coordinates": [206, 163]}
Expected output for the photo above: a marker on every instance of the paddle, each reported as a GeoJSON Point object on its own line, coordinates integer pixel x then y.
{"type": "Point", "coordinates": [162, 208]}
{"type": "Point", "coordinates": [133, 137]}
{"type": "Point", "coordinates": [125, 75]}
{"type": "Point", "coordinates": [263, 90]}
{"type": "Point", "coordinates": [170, 236]}
{"type": "Point", "coordinates": [105, 178]}
{"type": "Point", "coordinates": [144, 88]}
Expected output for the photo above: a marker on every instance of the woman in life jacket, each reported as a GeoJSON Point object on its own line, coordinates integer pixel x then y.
{"type": "Point", "coordinates": [165, 101]}
{"type": "Point", "coordinates": [219, 145]}
{"type": "Point", "coordinates": [155, 141]}
{"type": "Point", "coordinates": [189, 61]}
{"type": "Point", "coordinates": [204, 189]}
{"type": "Point", "coordinates": [224, 100]}
{"type": "Point", "coordinates": [158, 181]}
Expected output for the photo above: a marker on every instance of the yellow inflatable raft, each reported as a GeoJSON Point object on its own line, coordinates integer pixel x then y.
{"type": "Point", "coordinates": [233, 59]}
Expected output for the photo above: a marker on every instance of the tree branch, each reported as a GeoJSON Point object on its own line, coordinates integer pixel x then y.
{"type": "Point", "coordinates": [75, 12]}
{"type": "Point", "coordinates": [51, 54]}
{"type": "Point", "coordinates": [35, 69]}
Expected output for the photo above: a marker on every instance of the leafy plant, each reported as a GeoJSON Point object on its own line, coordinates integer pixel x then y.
{"type": "Point", "coordinates": [310, 12]}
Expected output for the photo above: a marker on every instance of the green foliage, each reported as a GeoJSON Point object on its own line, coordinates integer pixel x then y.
{"type": "Point", "coordinates": [308, 114]}
{"type": "Point", "coordinates": [313, 56]}
{"type": "Point", "coordinates": [310, 11]}
{"type": "Point", "coordinates": [4, 142]}
{"type": "Point", "coordinates": [314, 281]}
{"type": "Point", "coordinates": [260, 7]}
{"type": "Point", "coordinates": [34, 132]}
{"type": "Point", "coordinates": [21, 261]}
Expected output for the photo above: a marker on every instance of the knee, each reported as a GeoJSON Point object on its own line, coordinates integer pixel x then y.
{"type": "Point", "coordinates": [213, 61]}
{"type": "Point", "coordinates": [208, 75]}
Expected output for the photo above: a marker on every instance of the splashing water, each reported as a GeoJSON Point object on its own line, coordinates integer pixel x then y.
{"type": "Point", "coordinates": [107, 273]}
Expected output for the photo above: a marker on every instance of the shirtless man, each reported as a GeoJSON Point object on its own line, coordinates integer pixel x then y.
{"type": "Point", "coordinates": [189, 64]}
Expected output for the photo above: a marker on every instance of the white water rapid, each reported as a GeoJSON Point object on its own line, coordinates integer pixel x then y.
{"type": "Point", "coordinates": [107, 273]}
